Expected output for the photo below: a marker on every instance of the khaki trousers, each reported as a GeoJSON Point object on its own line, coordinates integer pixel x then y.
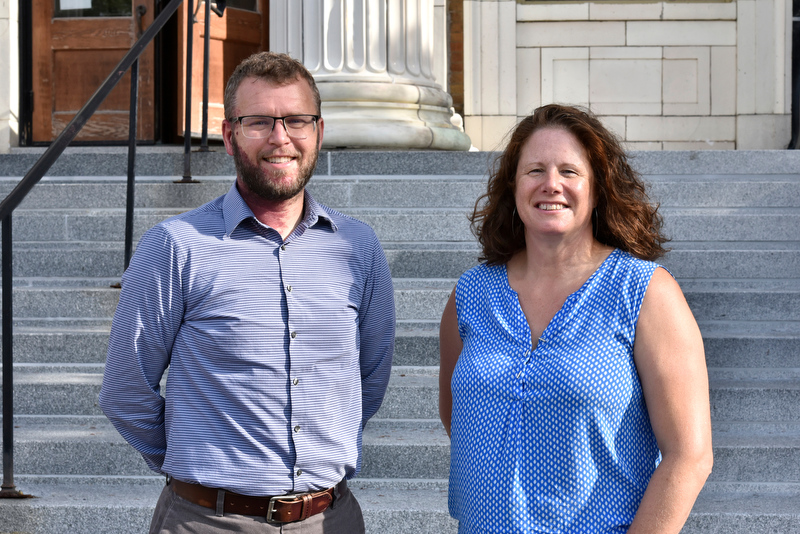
{"type": "Point", "coordinates": [174, 515]}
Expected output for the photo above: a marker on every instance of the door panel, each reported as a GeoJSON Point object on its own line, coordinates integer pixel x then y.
{"type": "Point", "coordinates": [73, 55]}
{"type": "Point", "coordinates": [91, 68]}
{"type": "Point", "coordinates": [239, 33]}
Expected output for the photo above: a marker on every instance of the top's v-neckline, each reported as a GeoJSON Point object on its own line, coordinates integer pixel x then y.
{"type": "Point", "coordinates": [570, 297]}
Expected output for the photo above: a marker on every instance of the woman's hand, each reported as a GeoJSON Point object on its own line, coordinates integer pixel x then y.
{"type": "Point", "coordinates": [449, 349]}
{"type": "Point", "coordinates": [670, 360]}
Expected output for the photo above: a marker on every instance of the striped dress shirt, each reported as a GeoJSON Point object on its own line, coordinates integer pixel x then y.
{"type": "Point", "coordinates": [279, 351]}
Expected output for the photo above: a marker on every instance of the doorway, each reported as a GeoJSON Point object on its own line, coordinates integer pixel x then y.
{"type": "Point", "coordinates": [75, 44]}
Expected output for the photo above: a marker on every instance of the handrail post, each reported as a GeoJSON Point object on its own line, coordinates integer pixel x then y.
{"type": "Point", "coordinates": [8, 363]}
{"type": "Point", "coordinates": [795, 142]}
{"type": "Point", "coordinates": [129, 202]}
{"type": "Point", "coordinates": [206, 48]}
{"type": "Point", "coordinates": [187, 129]}
{"type": "Point", "coordinates": [8, 489]}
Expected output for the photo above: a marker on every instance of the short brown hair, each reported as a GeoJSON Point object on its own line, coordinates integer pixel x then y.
{"type": "Point", "coordinates": [626, 219]}
{"type": "Point", "coordinates": [271, 67]}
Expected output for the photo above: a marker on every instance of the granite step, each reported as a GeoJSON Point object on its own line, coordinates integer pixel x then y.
{"type": "Point", "coordinates": [124, 505]}
{"type": "Point", "coordinates": [393, 448]}
{"type": "Point", "coordinates": [48, 345]}
{"type": "Point", "coordinates": [722, 300]}
{"type": "Point", "coordinates": [399, 191]}
{"type": "Point", "coordinates": [424, 299]}
{"type": "Point", "coordinates": [741, 344]}
{"type": "Point", "coordinates": [89, 445]}
{"type": "Point", "coordinates": [765, 395]}
{"type": "Point", "coordinates": [737, 394]}
{"type": "Point", "coordinates": [724, 190]}
{"type": "Point", "coordinates": [103, 259]}
{"type": "Point", "coordinates": [411, 224]}
{"type": "Point", "coordinates": [168, 161]}
{"type": "Point", "coordinates": [728, 508]}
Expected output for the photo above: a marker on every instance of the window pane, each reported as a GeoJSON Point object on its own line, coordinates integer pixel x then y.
{"type": "Point", "coordinates": [93, 8]}
{"type": "Point", "coordinates": [247, 5]}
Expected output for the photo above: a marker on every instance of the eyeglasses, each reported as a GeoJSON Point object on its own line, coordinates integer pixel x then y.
{"type": "Point", "coordinates": [261, 126]}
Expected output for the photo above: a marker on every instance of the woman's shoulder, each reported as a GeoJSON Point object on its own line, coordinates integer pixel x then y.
{"type": "Point", "coordinates": [482, 274]}
{"type": "Point", "coordinates": [630, 264]}
{"type": "Point", "coordinates": [480, 281]}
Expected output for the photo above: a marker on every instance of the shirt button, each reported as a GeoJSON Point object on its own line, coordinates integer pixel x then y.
{"type": "Point", "coordinates": [299, 472]}
{"type": "Point", "coordinates": [289, 289]}
{"type": "Point", "coordinates": [283, 247]}
{"type": "Point", "coordinates": [297, 428]}
{"type": "Point", "coordinates": [294, 335]}
{"type": "Point", "coordinates": [295, 381]}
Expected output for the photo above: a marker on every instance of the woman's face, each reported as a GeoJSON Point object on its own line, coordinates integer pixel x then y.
{"type": "Point", "coordinates": [554, 191]}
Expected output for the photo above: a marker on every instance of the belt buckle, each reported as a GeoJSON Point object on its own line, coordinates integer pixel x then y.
{"type": "Point", "coordinates": [292, 497]}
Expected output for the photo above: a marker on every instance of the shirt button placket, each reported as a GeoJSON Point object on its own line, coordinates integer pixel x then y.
{"type": "Point", "coordinates": [525, 363]}
{"type": "Point", "coordinates": [290, 304]}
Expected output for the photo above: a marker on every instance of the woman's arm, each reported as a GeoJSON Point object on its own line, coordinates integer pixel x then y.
{"type": "Point", "coordinates": [449, 348]}
{"type": "Point", "coordinates": [671, 363]}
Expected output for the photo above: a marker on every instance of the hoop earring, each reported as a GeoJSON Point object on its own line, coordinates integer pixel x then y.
{"type": "Point", "coordinates": [513, 222]}
{"type": "Point", "coordinates": [595, 221]}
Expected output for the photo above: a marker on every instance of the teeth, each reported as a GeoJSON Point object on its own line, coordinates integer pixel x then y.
{"type": "Point", "coordinates": [279, 159]}
{"type": "Point", "coordinates": [550, 207]}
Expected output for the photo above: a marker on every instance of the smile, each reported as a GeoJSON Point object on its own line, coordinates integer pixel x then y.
{"type": "Point", "coordinates": [551, 207]}
{"type": "Point", "coordinates": [279, 159]}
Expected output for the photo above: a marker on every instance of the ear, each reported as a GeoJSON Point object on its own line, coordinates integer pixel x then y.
{"type": "Point", "coordinates": [320, 128]}
{"type": "Point", "coordinates": [227, 134]}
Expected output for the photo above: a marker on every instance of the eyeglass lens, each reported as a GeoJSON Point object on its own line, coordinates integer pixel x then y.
{"type": "Point", "coordinates": [296, 126]}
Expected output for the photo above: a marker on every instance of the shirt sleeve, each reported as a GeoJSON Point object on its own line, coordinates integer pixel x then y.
{"type": "Point", "coordinates": [145, 324]}
{"type": "Point", "coordinates": [376, 332]}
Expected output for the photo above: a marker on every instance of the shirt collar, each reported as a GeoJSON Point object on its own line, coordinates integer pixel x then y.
{"type": "Point", "coordinates": [314, 211]}
{"type": "Point", "coordinates": [235, 210]}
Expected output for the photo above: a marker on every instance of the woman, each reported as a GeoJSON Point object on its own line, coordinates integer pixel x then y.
{"type": "Point", "coordinates": [573, 380]}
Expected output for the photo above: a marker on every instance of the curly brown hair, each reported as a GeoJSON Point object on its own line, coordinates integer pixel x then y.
{"type": "Point", "coordinates": [625, 217]}
{"type": "Point", "coordinates": [270, 67]}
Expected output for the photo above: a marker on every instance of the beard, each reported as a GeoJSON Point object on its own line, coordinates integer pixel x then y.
{"type": "Point", "coordinates": [269, 185]}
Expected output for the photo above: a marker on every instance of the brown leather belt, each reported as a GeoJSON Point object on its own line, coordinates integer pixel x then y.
{"type": "Point", "coordinates": [278, 509]}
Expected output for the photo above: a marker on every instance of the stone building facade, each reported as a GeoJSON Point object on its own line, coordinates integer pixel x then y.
{"type": "Point", "coordinates": [673, 75]}
{"type": "Point", "coordinates": [669, 75]}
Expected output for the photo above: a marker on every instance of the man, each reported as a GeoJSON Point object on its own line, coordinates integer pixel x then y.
{"type": "Point", "coordinates": [275, 315]}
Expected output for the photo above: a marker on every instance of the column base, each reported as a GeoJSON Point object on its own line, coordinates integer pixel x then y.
{"type": "Point", "coordinates": [397, 116]}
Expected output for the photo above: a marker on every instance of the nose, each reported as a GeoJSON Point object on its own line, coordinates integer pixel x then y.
{"type": "Point", "coordinates": [278, 135]}
{"type": "Point", "coordinates": [551, 182]}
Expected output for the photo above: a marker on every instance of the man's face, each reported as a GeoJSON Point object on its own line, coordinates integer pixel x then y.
{"type": "Point", "coordinates": [277, 167]}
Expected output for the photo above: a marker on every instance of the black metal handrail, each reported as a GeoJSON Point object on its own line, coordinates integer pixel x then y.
{"type": "Point", "coordinates": [43, 164]}
{"type": "Point", "coordinates": [795, 142]}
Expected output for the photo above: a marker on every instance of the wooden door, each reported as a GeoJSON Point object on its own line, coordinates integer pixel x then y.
{"type": "Point", "coordinates": [242, 30]}
{"type": "Point", "coordinates": [76, 45]}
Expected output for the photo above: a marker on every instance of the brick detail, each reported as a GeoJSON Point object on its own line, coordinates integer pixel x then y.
{"type": "Point", "coordinates": [455, 18]}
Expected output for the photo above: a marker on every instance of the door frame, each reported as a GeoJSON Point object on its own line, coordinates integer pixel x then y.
{"type": "Point", "coordinates": [26, 82]}
{"type": "Point", "coordinates": [25, 73]}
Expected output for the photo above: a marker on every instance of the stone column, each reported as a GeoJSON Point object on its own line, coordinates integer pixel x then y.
{"type": "Point", "coordinates": [373, 63]}
{"type": "Point", "coordinates": [9, 76]}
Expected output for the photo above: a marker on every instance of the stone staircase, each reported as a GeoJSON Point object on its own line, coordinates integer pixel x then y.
{"type": "Point", "coordinates": [735, 222]}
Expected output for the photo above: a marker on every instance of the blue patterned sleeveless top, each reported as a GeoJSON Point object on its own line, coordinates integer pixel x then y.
{"type": "Point", "coordinates": [555, 439]}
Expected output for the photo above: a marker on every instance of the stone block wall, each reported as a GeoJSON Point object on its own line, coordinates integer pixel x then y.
{"type": "Point", "coordinates": [663, 75]}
